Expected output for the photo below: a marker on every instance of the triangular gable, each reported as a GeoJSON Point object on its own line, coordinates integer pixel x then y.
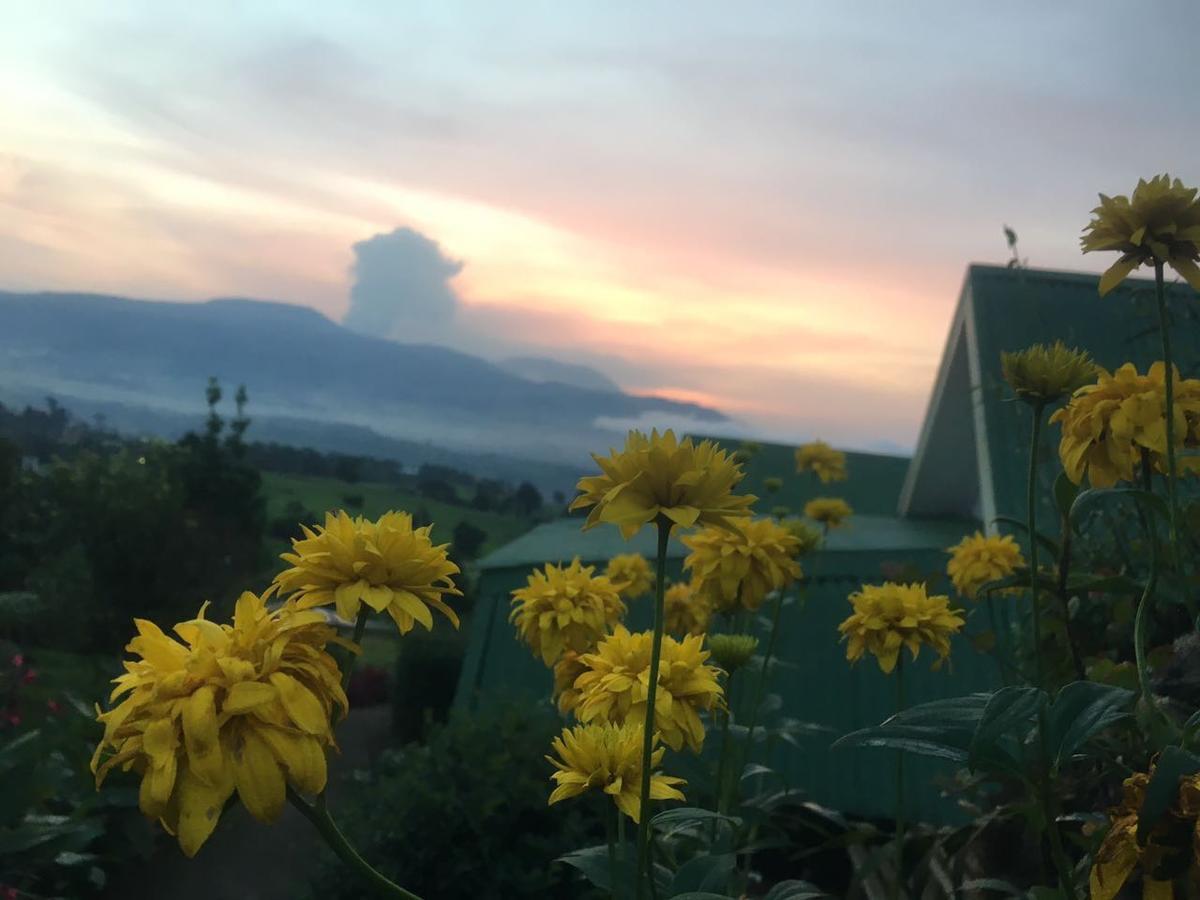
{"type": "Point", "coordinates": [944, 477]}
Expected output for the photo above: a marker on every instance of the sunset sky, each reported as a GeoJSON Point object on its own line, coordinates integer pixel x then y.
{"type": "Point", "coordinates": [764, 207]}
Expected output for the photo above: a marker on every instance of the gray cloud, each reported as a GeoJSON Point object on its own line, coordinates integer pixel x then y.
{"type": "Point", "coordinates": [401, 287]}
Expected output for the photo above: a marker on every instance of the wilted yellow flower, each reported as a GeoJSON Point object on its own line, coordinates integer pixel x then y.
{"type": "Point", "coordinates": [1168, 851]}
{"type": "Point", "coordinates": [630, 574]}
{"type": "Point", "coordinates": [1107, 426]}
{"type": "Point", "coordinates": [685, 610]}
{"type": "Point", "coordinates": [832, 512]}
{"type": "Point", "coordinates": [818, 457]}
{"type": "Point", "coordinates": [688, 484]}
{"type": "Point", "coordinates": [243, 707]}
{"type": "Point", "coordinates": [609, 757]}
{"type": "Point", "coordinates": [614, 687]}
{"type": "Point", "coordinates": [565, 608]}
{"type": "Point", "coordinates": [807, 538]}
{"type": "Point", "coordinates": [386, 564]}
{"type": "Point", "coordinates": [732, 651]}
{"type": "Point", "coordinates": [1159, 223]}
{"type": "Point", "coordinates": [976, 560]}
{"type": "Point", "coordinates": [1041, 374]}
{"type": "Point", "coordinates": [741, 565]}
{"type": "Point", "coordinates": [569, 667]}
{"type": "Point", "coordinates": [890, 616]}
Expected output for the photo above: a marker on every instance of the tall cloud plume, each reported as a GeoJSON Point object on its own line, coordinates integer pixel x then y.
{"type": "Point", "coordinates": [401, 288]}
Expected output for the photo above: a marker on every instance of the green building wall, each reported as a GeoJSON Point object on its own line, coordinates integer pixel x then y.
{"type": "Point", "coordinates": [815, 682]}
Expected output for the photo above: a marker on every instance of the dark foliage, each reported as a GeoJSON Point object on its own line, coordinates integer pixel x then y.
{"type": "Point", "coordinates": [465, 816]}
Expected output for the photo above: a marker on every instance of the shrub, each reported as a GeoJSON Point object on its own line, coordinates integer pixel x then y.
{"type": "Point", "coordinates": [465, 816]}
{"type": "Point", "coordinates": [58, 836]}
{"type": "Point", "coordinates": [427, 669]}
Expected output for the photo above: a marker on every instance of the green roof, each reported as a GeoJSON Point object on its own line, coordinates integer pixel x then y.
{"type": "Point", "coordinates": [873, 483]}
{"type": "Point", "coordinates": [972, 452]}
{"type": "Point", "coordinates": [562, 540]}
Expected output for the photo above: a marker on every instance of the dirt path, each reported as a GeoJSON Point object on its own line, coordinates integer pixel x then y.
{"type": "Point", "coordinates": [244, 860]}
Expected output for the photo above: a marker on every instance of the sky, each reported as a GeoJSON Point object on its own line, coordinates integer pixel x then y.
{"type": "Point", "coordinates": [767, 207]}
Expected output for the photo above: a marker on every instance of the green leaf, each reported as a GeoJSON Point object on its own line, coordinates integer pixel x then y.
{"type": "Point", "coordinates": [940, 728]}
{"type": "Point", "coordinates": [594, 864]}
{"type": "Point", "coordinates": [1004, 728]}
{"type": "Point", "coordinates": [672, 821]}
{"type": "Point", "coordinates": [1047, 542]}
{"type": "Point", "coordinates": [795, 890]}
{"type": "Point", "coordinates": [1087, 582]}
{"type": "Point", "coordinates": [1092, 495]}
{"type": "Point", "coordinates": [1081, 710]}
{"type": "Point", "coordinates": [1163, 789]}
{"type": "Point", "coordinates": [703, 874]}
{"type": "Point", "coordinates": [1020, 579]}
{"type": "Point", "coordinates": [753, 769]}
{"type": "Point", "coordinates": [1065, 492]}
{"type": "Point", "coordinates": [992, 884]}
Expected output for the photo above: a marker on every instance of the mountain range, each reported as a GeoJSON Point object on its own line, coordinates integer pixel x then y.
{"type": "Point", "coordinates": [107, 352]}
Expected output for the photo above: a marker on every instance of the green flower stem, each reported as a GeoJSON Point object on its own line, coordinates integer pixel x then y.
{"type": "Point", "coordinates": [610, 822]}
{"type": "Point", "coordinates": [360, 625]}
{"type": "Point", "coordinates": [337, 842]}
{"type": "Point", "coordinates": [899, 842]}
{"type": "Point", "coordinates": [762, 678]}
{"type": "Point", "coordinates": [643, 837]}
{"type": "Point", "coordinates": [1058, 853]}
{"type": "Point", "coordinates": [1168, 363]}
{"type": "Point", "coordinates": [1064, 571]}
{"type": "Point", "coordinates": [1000, 650]}
{"type": "Point", "coordinates": [721, 763]}
{"type": "Point", "coordinates": [1147, 598]}
{"type": "Point", "coordinates": [1031, 506]}
{"type": "Point", "coordinates": [622, 847]}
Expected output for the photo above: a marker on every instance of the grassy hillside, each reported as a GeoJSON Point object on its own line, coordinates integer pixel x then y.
{"type": "Point", "coordinates": [322, 494]}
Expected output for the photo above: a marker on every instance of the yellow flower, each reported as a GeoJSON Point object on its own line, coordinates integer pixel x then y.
{"type": "Point", "coordinates": [565, 608]}
{"type": "Point", "coordinates": [832, 512]}
{"type": "Point", "coordinates": [1107, 426]}
{"type": "Point", "coordinates": [1160, 223]}
{"type": "Point", "coordinates": [630, 574]}
{"type": "Point", "coordinates": [976, 560]}
{"type": "Point", "coordinates": [732, 651]}
{"type": "Point", "coordinates": [658, 475]}
{"type": "Point", "coordinates": [772, 484]}
{"type": "Point", "coordinates": [1041, 374]}
{"type": "Point", "coordinates": [807, 538]}
{"type": "Point", "coordinates": [685, 610]}
{"type": "Point", "coordinates": [614, 687]}
{"type": "Point", "coordinates": [609, 757]}
{"type": "Point", "coordinates": [890, 616]}
{"type": "Point", "coordinates": [740, 566]}
{"type": "Point", "coordinates": [240, 707]}
{"type": "Point", "coordinates": [569, 667]}
{"type": "Point", "coordinates": [818, 457]}
{"type": "Point", "coordinates": [386, 564]}
{"type": "Point", "coordinates": [1168, 851]}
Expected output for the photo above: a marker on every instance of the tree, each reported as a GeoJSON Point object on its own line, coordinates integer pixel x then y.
{"type": "Point", "coordinates": [468, 539]}
{"type": "Point", "coordinates": [527, 499]}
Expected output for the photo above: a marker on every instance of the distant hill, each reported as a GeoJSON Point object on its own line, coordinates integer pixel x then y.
{"type": "Point", "coordinates": [297, 364]}
{"type": "Point", "coordinates": [539, 368]}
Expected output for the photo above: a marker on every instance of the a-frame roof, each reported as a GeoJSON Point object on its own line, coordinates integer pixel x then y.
{"type": "Point", "coordinates": [972, 451]}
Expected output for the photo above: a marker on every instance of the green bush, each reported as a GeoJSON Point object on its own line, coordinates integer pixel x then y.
{"type": "Point", "coordinates": [427, 669]}
{"type": "Point", "coordinates": [59, 837]}
{"type": "Point", "coordinates": [465, 815]}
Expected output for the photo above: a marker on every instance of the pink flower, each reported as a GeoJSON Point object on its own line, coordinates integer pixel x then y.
{"type": "Point", "coordinates": [17, 661]}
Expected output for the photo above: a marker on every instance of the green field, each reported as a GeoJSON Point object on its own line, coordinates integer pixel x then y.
{"type": "Point", "coordinates": [324, 494]}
